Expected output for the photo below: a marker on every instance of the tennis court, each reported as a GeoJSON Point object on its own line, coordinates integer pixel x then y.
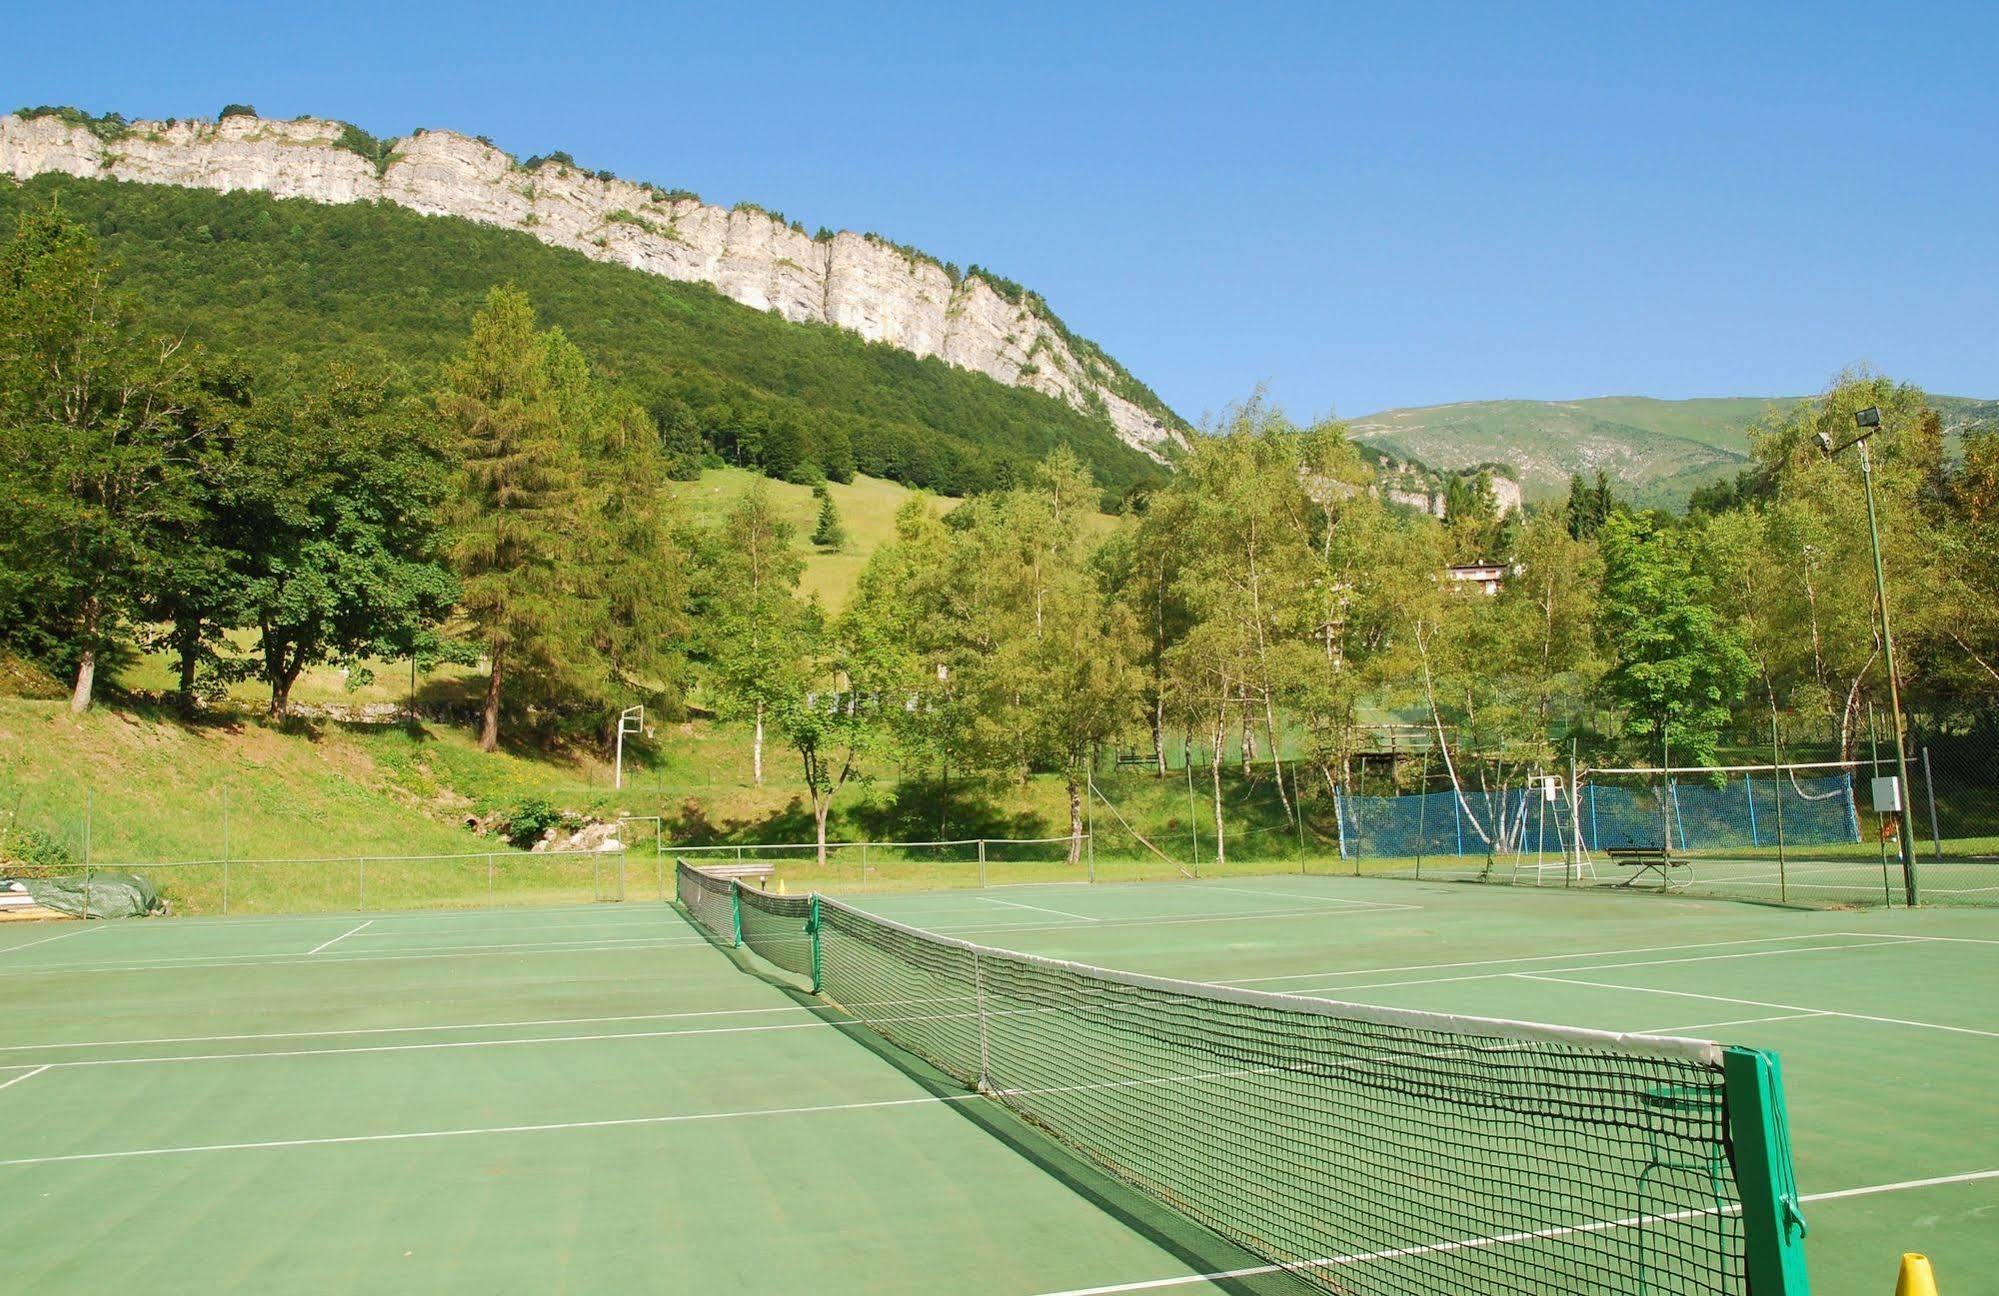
{"type": "Point", "coordinates": [597, 1097]}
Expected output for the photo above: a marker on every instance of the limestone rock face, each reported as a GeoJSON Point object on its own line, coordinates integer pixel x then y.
{"type": "Point", "coordinates": [855, 281]}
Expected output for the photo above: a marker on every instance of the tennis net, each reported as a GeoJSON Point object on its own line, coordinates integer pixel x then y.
{"type": "Point", "coordinates": [710, 899]}
{"type": "Point", "coordinates": [1365, 1150]}
{"type": "Point", "coordinates": [779, 929]}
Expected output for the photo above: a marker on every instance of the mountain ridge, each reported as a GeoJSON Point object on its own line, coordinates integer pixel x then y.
{"type": "Point", "coordinates": [1659, 451]}
{"type": "Point", "coordinates": [867, 284]}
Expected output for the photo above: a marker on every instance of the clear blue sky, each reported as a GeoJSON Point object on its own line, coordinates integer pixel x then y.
{"type": "Point", "coordinates": [1362, 206]}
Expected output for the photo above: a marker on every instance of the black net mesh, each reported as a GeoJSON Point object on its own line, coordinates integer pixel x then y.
{"type": "Point", "coordinates": [710, 900]}
{"type": "Point", "coordinates": [1369, 1151]}
{"type": "Point", "coordinates": [777, 928]}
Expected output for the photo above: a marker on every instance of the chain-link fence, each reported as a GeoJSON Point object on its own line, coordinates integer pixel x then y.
{"type": "Point", "coordinates": [1816, 832]}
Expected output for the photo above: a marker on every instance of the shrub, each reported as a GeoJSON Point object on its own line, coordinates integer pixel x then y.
{"type": "Point", "coordinates": [381, 152]}
{"type": "Point", "coordinates": [110, 128]}
{"type": "Point", "coordinates": [235, 110]}
{"type": "Point", "coordinates": [527, 821]}
{"type": "Point", "coordinates": [31, 848]}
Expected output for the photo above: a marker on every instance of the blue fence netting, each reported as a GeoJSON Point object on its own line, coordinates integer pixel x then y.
{"type": "Point", "coordinates": [1698, 813]}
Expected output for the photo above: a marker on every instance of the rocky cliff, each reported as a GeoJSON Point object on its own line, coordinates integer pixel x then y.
{"type": "Point", "coordinates": [884, 292]}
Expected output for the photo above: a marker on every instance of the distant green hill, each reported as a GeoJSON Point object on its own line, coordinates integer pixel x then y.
{"type": "Point", "coordinates": [260, 280]}
{"type": "Point", "coordinates": [1657, 450]}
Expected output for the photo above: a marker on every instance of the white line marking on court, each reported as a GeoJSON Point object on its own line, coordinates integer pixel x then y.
{"type": "Point", "coordinates": [1598, 967]}
{"type": "Point", "coordinates": [1543, 958]}
{"type": "Point", "coordinates": [1738, 1021]}
{"type": "Point", "coordinates": [1059, 913]}
{"type": "Point", "coordinates": [19, 1078]}
{"type": "Point", "coordinates": [1273, 914]}
{"type": "Point", "coordinates": [436, 1046]}
{"type": "Point", "coordinates": [1954, 940]}
{"type": "Point", "coordinates": [46, 939]}
{"type": "Point", "coordinates": [395, 1030]}
{"type": "Point", "coordinates": [340, 937]}
{"type": "Point", "coordinates": [1758, 1003]}
{"type": "Point", "coordinates": [1329, 901]}
{"type": "Point", "coordinates": [1503, 1239]}
{"type": "Point", "coordinates": [677, 1118]}
{"type": "Point", "coordinates": [419, 954]}
{"type": "Point", "coordinates": [1969, 1176]}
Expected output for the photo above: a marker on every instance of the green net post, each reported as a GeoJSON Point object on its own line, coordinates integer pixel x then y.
{"type": "Point", "coordinates": [812, 929]}
{"type": "Point", "coordinates": [736, 913]}
{"type": "Point", "coordinates": [1773, 1221]}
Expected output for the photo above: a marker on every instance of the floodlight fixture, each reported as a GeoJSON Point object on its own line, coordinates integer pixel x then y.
{"type": "Point", "coordinates": [1867, 418]}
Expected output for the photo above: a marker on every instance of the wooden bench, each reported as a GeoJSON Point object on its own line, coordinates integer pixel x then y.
{"type": "Point", "coordinates": [1136, 760]}
{"type": "Point", "coordinates": [745, 872]}
{"type": "Point", "coordinates": [1655, 861]}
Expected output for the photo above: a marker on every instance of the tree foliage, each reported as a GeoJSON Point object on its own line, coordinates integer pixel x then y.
{"type": "Point", "coordinates": [267, 281]}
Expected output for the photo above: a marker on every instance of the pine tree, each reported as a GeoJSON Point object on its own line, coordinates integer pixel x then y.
{"type": "Point", "coordinates": [829, 533]}
{"type": "Point", "coordinates": [514, 520]}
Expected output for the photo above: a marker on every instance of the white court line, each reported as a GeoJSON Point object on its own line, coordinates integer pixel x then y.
{"type": "Point", "coordinates": [1503, 1239]}
{"type": "Point", "coordinates": [1969, 1176]}
{"type": "Point", "coordinates": [620, 945]}
{"type": "Point", "coordinates": [341, 937]}
{"type": "Point", "coordinates": [393, 1030]}
{"type": "Point", "coordinates": [46, 939]}
{"type": "Point", "coordinates": [1059, 913]}
{"type": "Point", "coordinates": [815, 1024]}
{"type": "Point", "coordinates": [1106, 923]}
{"type": "Point", "coordinates": [193, 962]}
{"type": "Point", "coordinates": [19, 1078]}
{"type": "Point", "coordinates": [1953, 940]}
{"type": "Point", "coordinates": [671, 1119]}
{"type": "Point", "coordinates": [586, 915]}
{"type": "Point", "coordinates": [1542, 958]}
{"type": "Point", "coordinates": [1600, 967]}
{"type": "Point", "coordinates": [1330, 901]}
{"type": "Point", "coordinates": [676, 1118]}
{"type": "Point", "coordinates": [1758, 1003]}
{"type": "Point", "coordinates": [1739, 1021]}
{"type": "Point", "coordinates": [440, 1045]}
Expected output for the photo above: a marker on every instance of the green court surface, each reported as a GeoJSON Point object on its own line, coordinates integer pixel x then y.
{"type": "Point", "coordinates": [598, 1099]}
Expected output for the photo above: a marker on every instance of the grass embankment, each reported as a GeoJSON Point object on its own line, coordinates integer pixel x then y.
{"type": "Point", "coordinates": [295, 809]}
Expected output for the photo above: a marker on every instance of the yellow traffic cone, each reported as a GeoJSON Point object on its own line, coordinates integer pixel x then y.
{"type": "Point", "coordinates": [1916, 1278]}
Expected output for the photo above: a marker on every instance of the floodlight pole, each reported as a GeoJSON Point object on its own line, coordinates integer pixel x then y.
{"type": "Point", "coordinates": [1870, 420]}
{"type": "Point", "coordinates": [631, 720]}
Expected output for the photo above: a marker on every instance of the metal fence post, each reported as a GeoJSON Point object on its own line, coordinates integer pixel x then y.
{"type": "Point", "coordinates": [225, 852]}
{"type": "Point", "coordinates": [1930, 790]}
{"type": "Point", "coordinates": [87, 809]}
{"type": "Point", "coordinates": [1422, 811]}
{"type": "Point", "coordinates": [1090, 817]}
{"type": "Point", "coordinates": [489, 879]}
{"type": "Point", "coordinates": [982, 862]}
{"type": "Point", "coordinates": [1778, 779]}
{"type": "Point", "coordinates": [361, 887]}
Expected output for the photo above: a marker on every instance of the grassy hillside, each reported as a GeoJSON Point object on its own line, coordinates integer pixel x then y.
{"type": "Point", "coordinates": [1655, 450]}
{"type": "Point", "coordinates": [1658, 451]}
{"type": "Point", "coordinates": [296, 809]}
{"type": "Point", "coordinates": [262, 280]}
{"type": "Point", "coordinates": [867, 509]}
